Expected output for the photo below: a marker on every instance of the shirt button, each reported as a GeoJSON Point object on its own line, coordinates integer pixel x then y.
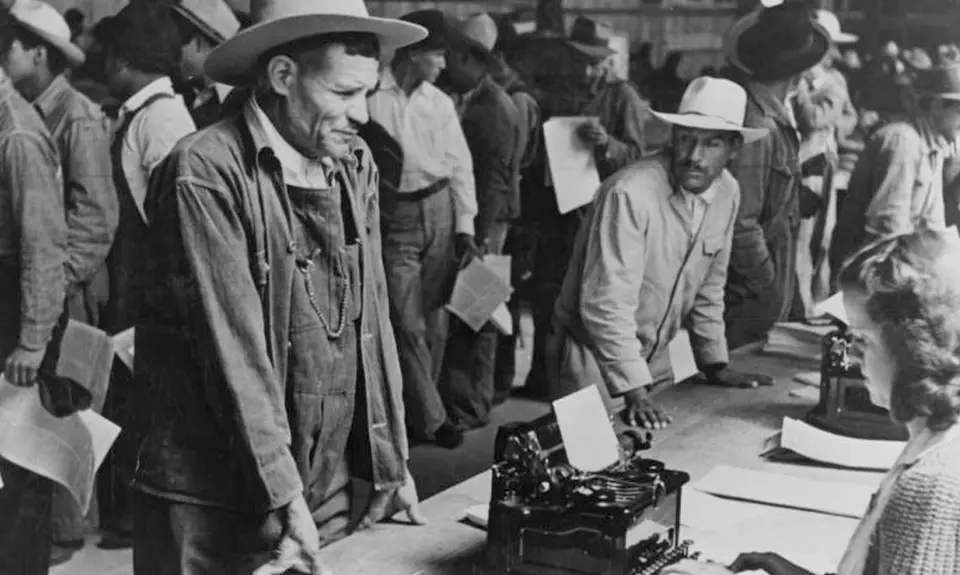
{"type": "Point", "coordinates": [367, 336]}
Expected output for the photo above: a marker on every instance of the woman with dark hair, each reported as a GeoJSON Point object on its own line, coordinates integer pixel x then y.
{"type": "Point", "coordinates": [902, 297]}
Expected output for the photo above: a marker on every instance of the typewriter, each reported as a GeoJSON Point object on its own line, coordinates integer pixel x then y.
{"type": "Point", "coordinates": [547, 517]}
{"type": "Point", "coordinates": [845, 407]}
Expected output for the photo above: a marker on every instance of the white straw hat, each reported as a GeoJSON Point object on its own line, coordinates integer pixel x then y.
{"type": "Point", "coordinates": [831, 23]}
{"type": "Point", "coordinates": [279, 22]}
{"type": "Point", "coordinates": [46, 22]}
{"type": "Point", "coordinates": [713, 104]}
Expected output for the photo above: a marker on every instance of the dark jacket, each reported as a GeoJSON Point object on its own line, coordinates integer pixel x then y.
{"type": "Point", "coordinates": [217, 397]}
{"type": "Point", "coordinates": [492, 126]}
{"type": "Point", "coordinates": [622, 113]}
{"type": "Point", "coordinates": [762, 277]}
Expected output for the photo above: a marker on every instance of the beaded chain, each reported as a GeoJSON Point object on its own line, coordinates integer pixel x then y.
{"type": "Point", "coordinates": [311, 295]}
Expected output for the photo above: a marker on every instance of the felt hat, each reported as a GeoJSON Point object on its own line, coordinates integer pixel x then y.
{"type": "Point", "coordinates": [941, 82]}
{"type": "Point", "coordinates": [472, 36]}
{"type": "Point", "coordinates": [437, 27]}
{"type": "Point", "coordinates": [713, 104]}
{"type": "Point", "coordinates": [214, 18]}
{"type": "Point", "coordinates": [831, 24]}
{"type": "Point", "coordinates": [279, 22]}
{"type": "Point", "coordinates": [46, 22]}
{"type": "Point", "coordinates": [777, 42]}
{"type": "Point", "coordinates": [481, 28]}
{"type": "Point", "coordinates": [586, 38]}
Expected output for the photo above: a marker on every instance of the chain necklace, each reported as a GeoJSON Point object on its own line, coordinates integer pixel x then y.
{"type": "Point", "coordinates": [305, 266]}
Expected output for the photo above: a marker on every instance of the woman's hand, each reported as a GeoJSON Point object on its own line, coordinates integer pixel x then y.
{"type": "Point", "coordinates": [769, 562]}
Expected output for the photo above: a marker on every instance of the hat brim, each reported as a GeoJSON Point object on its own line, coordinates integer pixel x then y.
{"type": "Point", "coordinates": [700, 122]}
{"type": "Point", "coordinates": [596, 53]}
{"type": "Point", "coordinates": [233, 61]}
{"type": "Point", "coordinates": [73, 54]}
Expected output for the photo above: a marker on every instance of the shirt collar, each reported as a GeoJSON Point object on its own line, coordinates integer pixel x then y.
{"type": "Point", "coordinates": [49, 97]}
{"type": "Point", "coordinates": [769, 103]}
{"type": "Point", "coordinates": [706, 196]}
{"type": "Point", "coordinates": [934, 142]}
{"type": "Point", "coordinates": [162, 85]}
{"type": "Point", "coordinates": [222, 91]}
{"type": "Point", "coordinates": [298, 169]}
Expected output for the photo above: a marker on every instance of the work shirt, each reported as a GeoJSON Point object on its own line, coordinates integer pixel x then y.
{"type": "Point", "coordinates": [33, 229]}
{"type": "Point", "coordinates": [642, 268]}
{"type": "Point", "coordinates": [896, 187]}
{"type": "Point", "coordinates": [426, 126]}
{"type": "Point", "coordinates": [152, 134]}
{"type": "Point", "coordinates": [227, 369]}
{"type": "Point", "coordinates": [82, 133]}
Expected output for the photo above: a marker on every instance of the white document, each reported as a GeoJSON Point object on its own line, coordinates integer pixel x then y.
{"type": "Point", "coordinates": [586, 430]}
{"type": "Point", "coordinates": [66, 450]}
{"type": "Point", "coordinates": [572, 166]}
{"type": "Point", "coordinates": [831, 497]}
{"type": "Point", "coordinates": [682, 362]}
{"type": "Point", "coordinates": [705, 512]}
{"type": "Point", "coordinates": [477, 293]}
{"type": "Point", "coordinates": [123, 346]}
{"type": "Point", "coordinates": [478, 515]}
{"type": "Point", "coordinates": [820, 445]}
{"type": "Point", "coordinates": [811, 393]}
{"type": "Point", "coordinates": [833, 307]}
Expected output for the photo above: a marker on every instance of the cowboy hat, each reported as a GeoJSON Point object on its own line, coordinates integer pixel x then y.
{"type": "Point", "coordinates": [279, 22]}
{"type": "Point", "coordinates": [436, 25]}
{"type": "Point", "coordinates": [831, 24]}
{"type": "Point", "coordinates": [585, 37]}
{"type": "Point", "coordinates": [214, 18]}
{"type": "Point", "coordinates": [43, 20]}
{"type": "Point", "coordinates": [713, 104]}
{"type": "Point", "coordinates": [481, 28]}
{"type": "Point", "coordinates": [776, 42]}
{"type": "Point", "coordinates": [940, 82]}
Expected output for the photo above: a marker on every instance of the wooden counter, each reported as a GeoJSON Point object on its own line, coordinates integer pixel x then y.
{"type": "Point", "coordinates": [711, 426]}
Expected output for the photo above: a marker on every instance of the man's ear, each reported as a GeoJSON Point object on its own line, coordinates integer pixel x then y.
{"type": "Point", "coordinates": [281, 74]}
{"type": "Point", "coordinates": [736, 144]}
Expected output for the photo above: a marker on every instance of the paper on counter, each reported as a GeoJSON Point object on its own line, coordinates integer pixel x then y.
{"type": "Point", "coordinates": [830, 497]}
{"type": "Point", "coordinates": [820, 445]}
{"type": "Point", "coordinates": [682, 361]}
{"type": "Point", "coordinates": [811, 378]}
{"type": "Point", "coordinates": [585, 428]}
{"type": "Point", "coordinates": [66, 450]}
{"type": "Point", "coordinates": [805, 392]}
{"type": "Point", "coordinates": [477, 293]}
{"type": "Point", "coordinates": [705, 512]}
{"type": "Point", "coordinates": [833, 307]}
{"type": "Point", "coordinates": [478, 515]}
{"type": "Point", "coordinates": [123, 346]}
{"type": "Point", "coordinates": [572, 166]}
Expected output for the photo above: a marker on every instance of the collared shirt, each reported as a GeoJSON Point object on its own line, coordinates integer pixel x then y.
{"type": "Point", "coordinates": [298, 170]}
{"type": "Point", "coordinates": [434, 146]}
{"type": "Point", "coordinates": [83, 134]}
{"type": "Point", "coordinates": [215, 90]}
{"type": "Point", "coordinates": [697, 205]}
{"type": "Point", "coordinates": [152, 134]}
{"type": "Point", "coordinates": [32, 226]}
{"type": "Point", "coordinates": [638, 273]}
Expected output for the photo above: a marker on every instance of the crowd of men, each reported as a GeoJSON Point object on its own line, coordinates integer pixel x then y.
{"type": "Point", "coordinates": [281, 211]}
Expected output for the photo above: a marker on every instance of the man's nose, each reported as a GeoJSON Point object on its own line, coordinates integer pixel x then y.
{"type": "Point", "coordinates": [442, 63]}
{"type": "Point", "coordinates": [696, 152]}
{"type": "Point", "coordinates": [358, 112]}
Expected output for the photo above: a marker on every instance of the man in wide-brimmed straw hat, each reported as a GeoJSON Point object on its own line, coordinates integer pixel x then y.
{"type": "Point", "coordinates": [664, 221]}
{"type": "Point", "coordinates": [897, 185]}
{"type": "Point", "coordinates": [772, 47]}
{"type": "Point", "coordinates": [267, 365]}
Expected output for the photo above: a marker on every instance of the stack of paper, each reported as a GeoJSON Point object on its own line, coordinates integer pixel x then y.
{"type": "Point", "coordinates": [811, 443]}
{"type": "Point", "coordinates": [797, 340]}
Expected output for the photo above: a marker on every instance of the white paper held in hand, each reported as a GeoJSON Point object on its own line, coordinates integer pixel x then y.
{"type": "Point", "coordinates": [572, 166]}
{"type": "Point", "coordinates": [586, 430]}
{"type": "Point", "coordinates": [682, 361]}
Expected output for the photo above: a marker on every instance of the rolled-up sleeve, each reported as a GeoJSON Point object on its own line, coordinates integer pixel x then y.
{"type": "Point", "coordinates": [93, 212]}
{"type": "Point", "coordinates": [216, 249]}
{"type": "Point", "coordinates": [32, 174]}
{"type": "Point", "coordinates": [705, 321]}
{"type": "Point", "coordinates": [612, 277]}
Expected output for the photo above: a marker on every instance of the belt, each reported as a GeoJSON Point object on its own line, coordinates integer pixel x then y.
{"type": "Point", "coordinates": [424, 193]}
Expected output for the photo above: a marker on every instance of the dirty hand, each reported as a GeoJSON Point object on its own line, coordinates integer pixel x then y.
{"type": "Point", "coordinates": [22, 366]}
{"type": "Point", "coordinates": [593, 133]}
{"type": "Point", "coordinates": [299, 549]}
{"type": "Point", "coordinates": [769, 562]}
{"type": "Point", "coordinates": [640, 412]}
{"type": "Point", "coordinates": [385, 503]}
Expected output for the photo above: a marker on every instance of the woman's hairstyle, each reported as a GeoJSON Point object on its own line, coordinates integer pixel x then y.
{"type": "Point", "coordinates": [912, 287]}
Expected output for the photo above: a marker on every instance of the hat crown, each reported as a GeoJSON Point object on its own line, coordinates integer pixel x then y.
{"type": "Point", "coordinates": [481, 28]}
{"type": "Point", "coordinates": [41, 17]}
{"type": "Point", "coordinates": [939, 81]}
{"type": "Point", "coordinates": [590, 32]}
{"type": "Point", "coordinates": [829, 21]}
{"type": "Point", "coordinates": [715, 98]}
{"type": "Point", "coordinates": [268, 10]}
